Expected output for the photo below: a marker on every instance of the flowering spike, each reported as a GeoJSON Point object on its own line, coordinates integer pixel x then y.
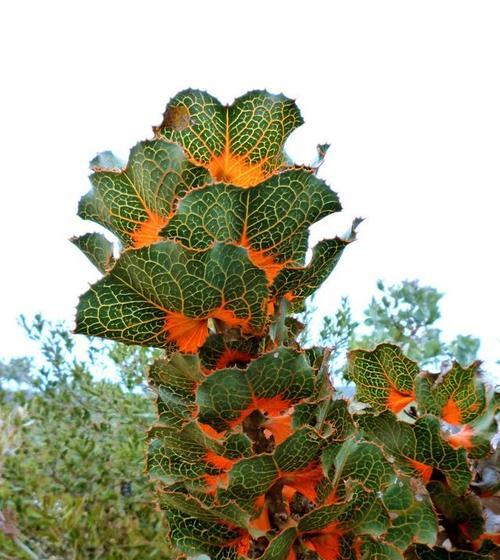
{"type": "Point", "coordinates": [252, 454]}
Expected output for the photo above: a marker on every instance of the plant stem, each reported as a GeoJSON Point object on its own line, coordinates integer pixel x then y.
{"type": "Point", "coordinates": [25, 549]}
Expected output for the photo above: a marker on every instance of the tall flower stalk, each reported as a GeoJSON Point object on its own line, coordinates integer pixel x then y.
{"type": "Point", "coordinates": [254, 455]}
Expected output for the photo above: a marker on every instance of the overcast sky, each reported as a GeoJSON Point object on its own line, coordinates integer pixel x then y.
{"type": "Point", "coordinates": [407, 93]}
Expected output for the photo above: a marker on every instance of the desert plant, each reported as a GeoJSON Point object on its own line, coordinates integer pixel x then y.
{"type": "Point", "coordinates": [252, 454]}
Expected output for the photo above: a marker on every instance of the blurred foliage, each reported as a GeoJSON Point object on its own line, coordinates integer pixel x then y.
{"type": "Point", "coordinates": [16, 369]}
{"type": "Point", "coordinates": [72, 457]}
{"type": "Point", "coordinates": [72, 446]}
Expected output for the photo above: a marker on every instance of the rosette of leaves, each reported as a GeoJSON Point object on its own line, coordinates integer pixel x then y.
{"type": "Point", "coordinates": [252, 454]}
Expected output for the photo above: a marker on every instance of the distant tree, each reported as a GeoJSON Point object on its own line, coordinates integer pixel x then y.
{"type": "Point", "coordinates": [405, 313]}
{"type": "Point", "coordinates": [16, 369]}
{"type": "Point", "coordinates": [337, 332]}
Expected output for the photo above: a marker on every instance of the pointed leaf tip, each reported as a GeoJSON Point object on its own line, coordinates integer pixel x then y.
{"type": "Point", "coordinates": [97, 249]}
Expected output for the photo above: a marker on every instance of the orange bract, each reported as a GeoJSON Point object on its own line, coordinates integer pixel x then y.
{"type": "Point", "coordinates": [279, 426]}
{"type": "Point", "coordinates": [425, 471]}
{"type": "Point", "coordinates": [493, 537]}
{"type": "Point", "coordinates": [261, 259]}
{"type": "Point", "coordinates": [332, 498]}
{"type": "Point", "coordinates": [462, 439]}
{"type": "Point", "coordinates": [149, 231]}
{"type": "Point", "coordinates": [190, 333]}
{"type": "Point", "coordinates": [208, 430]}
{"type": "Point", "coordinates": [213, 481]}
{"type": "Point", "coordinates": [231, 356]}
{"type": "Point", "coordinates": [397, 401]}
{"type": "Point", "coordinates": [326, 542]}
{"type": "Point", "coordinates": [451, 413]}
{"type": "Point", "coordinates": [219, 461]}
{"type": "Point", "coordinates": [241, 543]}
{"type": "Point", "coordinates": [235, 169]}
{"type": "Point", "coordinates": [304, 480]}
{"type": "Point", "coordinates": [261, 522]}
{"type": "Point", "coordinates": [220, 479]}
{"type": "Point", "coordinates": [273, 406]}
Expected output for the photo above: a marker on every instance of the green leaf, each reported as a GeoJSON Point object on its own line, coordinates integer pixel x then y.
{"type": "Point", "coordinates": [296, 284]}
{"type": "Point", "coordinates": [189, 457]}
{"type": "Point", "coordinates": [340, 420]}
{"type": "Point", "coordinates": [237, 445]}
{"type": "Point", "coordinates": [249, 217]}
{"type": "Point", "coordinates": [465, 512]}
{"type": "Point", "coordinates": [361, 462]}
{"type": "Point", "coordinates": [299, 451]}
{"type": "Point", "coordinates": [193, 535]}
{"type": "Point", "coordinates": [163, 295]}
{"type": "Point", "coordinates": [457, 396]}
{"type": "Point", "coordinates": [208, 510]}
{"type": "Point", "coordinates": [384, 377]}
{"type": "Point", "coordinates": [274, 381]}
{"type": "Point", "coordinates": [97, 249]}
{"type": "Point", "coordinates": [321, 149]}
{"type": "Point", "coordinates": [362, 512]}
{"type": "Point", "coordinates": [422, 552]}
{"type": "Point", "coordinates": [370, 548]}
{"type": "Point", "coordinates": [399, 496]}
{"type": "Point", "coordinates": [335, 422]}
{"type": "Point", "coordinates": [134, 203]}
{"type": "Point", "coordinates": [175, 381]}
{"type": "Point", "coordinates": [330, 417]}
{"type": "Point", "coordinates": [291, 463]}
{"type": "Point", "coordinates": [181, 455]}
{"type": "Point", "coordinates": [241, 144]}
{"type": "Point", "coordinates": [413, 518]}
{"type": "Point", "coordinates": [250, 478]}
{"type": "Point", "coordinates": [280, 546]}
{"type": "Point", "coordinates": [418, 448]}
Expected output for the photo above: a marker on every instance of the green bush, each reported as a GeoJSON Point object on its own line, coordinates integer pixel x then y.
{"type": "Point", "coordinates": [72, 483]}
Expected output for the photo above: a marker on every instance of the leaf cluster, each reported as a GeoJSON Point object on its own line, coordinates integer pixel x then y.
{"type": "Point", "coordinates": [253, 456]}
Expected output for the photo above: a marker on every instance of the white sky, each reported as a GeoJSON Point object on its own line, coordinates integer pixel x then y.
{"type": "Point", "coordinates": [407, 93]}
